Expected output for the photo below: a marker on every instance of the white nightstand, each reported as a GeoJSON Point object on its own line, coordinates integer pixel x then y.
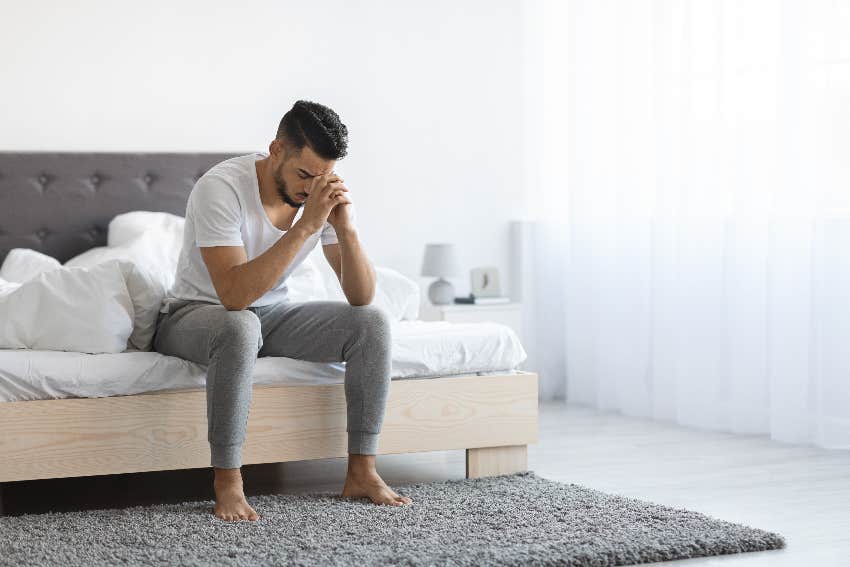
{"type": "Point", "coordinates": [509, 314]}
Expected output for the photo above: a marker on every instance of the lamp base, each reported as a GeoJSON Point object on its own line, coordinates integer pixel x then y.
{"type": "Point", "coordinates": [441, 292]}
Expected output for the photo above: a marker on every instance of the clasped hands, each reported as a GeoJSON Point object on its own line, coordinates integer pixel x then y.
{"type": "Point", "coordinates": [326, 200]}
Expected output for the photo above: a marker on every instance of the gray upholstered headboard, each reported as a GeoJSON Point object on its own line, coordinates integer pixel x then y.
{"type": "Point", "coordinates": [61, 203]}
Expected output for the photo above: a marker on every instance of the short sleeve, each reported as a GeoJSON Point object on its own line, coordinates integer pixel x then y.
{"type": "Point", "coordinates": [216, 213]}
{"type": "Point", "coordinates": [328, 235]}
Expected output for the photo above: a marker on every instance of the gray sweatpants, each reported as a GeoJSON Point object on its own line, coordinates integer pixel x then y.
{"type": "Point", "coordinates": [229, 342]}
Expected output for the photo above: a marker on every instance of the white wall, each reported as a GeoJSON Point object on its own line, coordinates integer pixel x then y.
{"type": "Point", "coordinates": [431, 93]}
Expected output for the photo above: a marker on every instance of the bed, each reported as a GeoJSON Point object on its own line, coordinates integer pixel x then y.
{"type": "Point", "coordinates": [66, 414]}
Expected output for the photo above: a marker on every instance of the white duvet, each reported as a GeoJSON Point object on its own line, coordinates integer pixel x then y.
{"type": "Point", "coordinates": [421, 349]}
{"type": "Point", "coordinates": [107, 308]}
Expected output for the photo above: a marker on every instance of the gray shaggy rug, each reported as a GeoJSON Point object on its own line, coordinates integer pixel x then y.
{"type": "Point", "coordinates": [518, 519]}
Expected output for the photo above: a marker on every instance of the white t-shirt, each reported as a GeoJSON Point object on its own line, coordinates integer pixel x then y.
{"type": "Point", "coordinates": [224, 209]}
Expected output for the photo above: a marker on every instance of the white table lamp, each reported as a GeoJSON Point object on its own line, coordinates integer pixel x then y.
{"type": "Point", "coordinates": [440, 261]}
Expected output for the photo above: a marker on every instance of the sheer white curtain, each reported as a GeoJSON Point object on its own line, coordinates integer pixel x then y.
{"type": "Point", "coordinates": [707, 198]}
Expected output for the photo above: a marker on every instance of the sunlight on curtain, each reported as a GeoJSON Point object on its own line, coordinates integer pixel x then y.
{"type": "Point", "coordinates": [708, 238]}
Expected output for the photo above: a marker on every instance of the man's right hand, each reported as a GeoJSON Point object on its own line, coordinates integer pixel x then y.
{"type": "Point", "coordinates": [325, 192]}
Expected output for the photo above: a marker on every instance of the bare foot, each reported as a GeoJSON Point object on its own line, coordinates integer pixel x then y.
{"type": "Point", "coordinates": [230, 503]}
{"type": "Point", "coordinates": [363, 480]}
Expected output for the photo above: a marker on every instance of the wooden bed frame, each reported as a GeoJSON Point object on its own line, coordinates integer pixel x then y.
{"type": "Point", "coordinates": [61, 204]}
{"type": "Point", "coordinates": [494, 417]}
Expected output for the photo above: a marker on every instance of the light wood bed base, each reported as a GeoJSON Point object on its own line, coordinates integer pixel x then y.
{"type": "Point", "coordinates": [494, 417]}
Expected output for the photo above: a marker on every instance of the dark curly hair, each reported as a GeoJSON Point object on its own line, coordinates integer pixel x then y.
{"type": "Point", "coordinates": [316, 125]}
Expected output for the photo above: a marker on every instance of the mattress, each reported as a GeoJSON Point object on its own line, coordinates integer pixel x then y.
{"type": "Point", "coordinates": [421, 349]}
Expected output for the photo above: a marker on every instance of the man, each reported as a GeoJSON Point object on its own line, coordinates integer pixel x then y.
{"type": "Point", "coordinates": [243, 237]}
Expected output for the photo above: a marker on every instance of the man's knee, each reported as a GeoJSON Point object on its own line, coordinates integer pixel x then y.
{"type": "Point", "coordinates": [240, 329]}
{"type": "Point", "coordinates": [371, 320]}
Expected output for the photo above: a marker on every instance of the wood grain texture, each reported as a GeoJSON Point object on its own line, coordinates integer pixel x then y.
{"type": "Point", "coordinates": [168, 430]}
{"type": "Point", "coordinates": [491, 461]}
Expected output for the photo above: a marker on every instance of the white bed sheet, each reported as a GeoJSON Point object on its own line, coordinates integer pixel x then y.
{"type": "Point", "coordinates": [421, 349]}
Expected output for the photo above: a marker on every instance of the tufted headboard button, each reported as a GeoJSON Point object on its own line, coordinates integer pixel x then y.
{"type": "Point", "coordinates": [95, 179]}
{"type": "Point", "coordinates": [148, 180]}
{"type": "Point", "coordinates": [42, 233]}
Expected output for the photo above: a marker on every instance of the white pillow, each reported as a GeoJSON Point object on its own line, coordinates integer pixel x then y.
{"type": "Point", "coordinates": [22, 264]}
{"type": "Point", "coordinates": [151, 239]}
{"type": "Point", "coordinates": [152, 250]}
{"type": "Point", "coordinates": [147, 292]}
{"type": "Point", "coordinates": [149, 276]}
{"type": "Point", "coordinates": [126, 227]}
{"type": "Point", "coordinates": [395, 293]}
{"type": "Point", "coordinates": [398, 294]}
{"type": "Point", "coordinates": [75, 309]}
{"type": "Point", "coordinates": [7, 287]}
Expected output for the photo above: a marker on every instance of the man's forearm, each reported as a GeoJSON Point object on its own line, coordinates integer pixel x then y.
{"type": "Point", "coordinates": [357, 274]}
{"type": "Point", "coordinates": [252, 279]}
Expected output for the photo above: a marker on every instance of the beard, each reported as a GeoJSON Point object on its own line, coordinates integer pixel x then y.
{"type": "Point", "coordinates": [282, 192]}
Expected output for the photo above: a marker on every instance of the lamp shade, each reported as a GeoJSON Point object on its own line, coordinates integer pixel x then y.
{"type": "Point", "coordinates": [440, 261]}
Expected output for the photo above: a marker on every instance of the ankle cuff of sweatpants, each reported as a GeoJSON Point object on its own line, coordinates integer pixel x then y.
{"type": "Point", "coordinates": [226, 456]}
{"type": "Point", "coordinates": [363, 443]}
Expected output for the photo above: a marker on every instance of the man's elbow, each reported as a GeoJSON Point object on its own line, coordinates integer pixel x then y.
{"type": "Point", "coordinates": [365, 300]}
{"type": "Point", "coordinates": [227, 292]}
{"type": "Point", "coordinates": [231, 304]}
{"type": "Point", "coordinates": [370, 293]}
